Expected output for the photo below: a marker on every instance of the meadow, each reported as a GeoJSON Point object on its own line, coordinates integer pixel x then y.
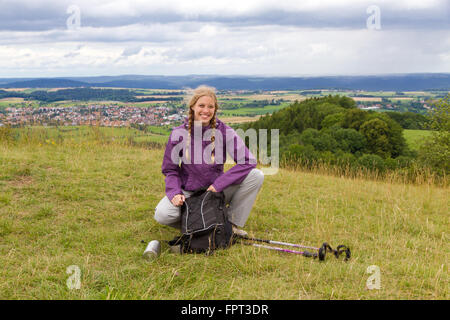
{"type": "Point", "coordinates": [415, 138]}
{"type": "Point", "coordinates": [79, 134]}
{"type": "Point", "coordinates": [89, 202]}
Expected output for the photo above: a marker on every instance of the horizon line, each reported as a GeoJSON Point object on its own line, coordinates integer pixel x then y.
{"type": "Point", "coordinates": [236, 75]}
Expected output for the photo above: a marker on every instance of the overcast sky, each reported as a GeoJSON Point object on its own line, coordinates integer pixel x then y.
{"type": "Point", "coordinates": [42, 38]}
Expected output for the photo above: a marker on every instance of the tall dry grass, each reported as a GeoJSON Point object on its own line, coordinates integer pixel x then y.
{"type": "Point", "coordinates": [415, 174]}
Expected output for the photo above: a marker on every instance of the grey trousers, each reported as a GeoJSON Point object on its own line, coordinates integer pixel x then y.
{"type": "Point", "coordinates": [240, 198]}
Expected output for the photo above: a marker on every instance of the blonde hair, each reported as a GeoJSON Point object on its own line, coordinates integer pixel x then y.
{"type": "Point", "coordinates": [194, 95]}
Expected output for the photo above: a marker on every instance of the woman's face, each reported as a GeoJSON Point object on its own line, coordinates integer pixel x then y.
{"type": "Point", "coordinates": [204, 110]}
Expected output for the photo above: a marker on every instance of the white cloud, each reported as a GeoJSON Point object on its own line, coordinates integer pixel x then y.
{"type": "Point", "coordinates": [232, 37]}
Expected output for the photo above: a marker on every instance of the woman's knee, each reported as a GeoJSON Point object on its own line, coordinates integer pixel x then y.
{"type": "Point", "coordinates": [159, 215]}
{"type": "Point", "coordinates": [257, 176]}
{"type": "Point", "coordinates": [166, 213]}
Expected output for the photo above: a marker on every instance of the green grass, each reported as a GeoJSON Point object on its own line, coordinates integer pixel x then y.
{"type": "Point", "coordinates": [90, 204]}
{"type": "Point", "coordinates": [415, 138]}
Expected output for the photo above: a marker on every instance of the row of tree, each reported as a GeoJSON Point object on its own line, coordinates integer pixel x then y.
{"type": "Point", "coordinates": [83, 94]}
{"type": "Point", "coordinates": [410, 120]}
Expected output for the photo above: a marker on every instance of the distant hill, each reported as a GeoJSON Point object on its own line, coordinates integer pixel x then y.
{"type": "Point", "coordinates": [146, 84]}
{"type": "Point", "coordinates": [45, 83]}
{"type": "Point", "coordinates": [402, 82]}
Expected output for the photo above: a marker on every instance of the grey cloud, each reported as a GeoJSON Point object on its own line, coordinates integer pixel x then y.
{"type": "Point", "coordinates": [129, 33]}
{"type": "Point", "coordinates": [216, 50]}
{"type": "Point", "coordinates": [74, 53]}
{"type": "Point", "coordinates": [23, 16]}
{"type": "Point", "coordinates": [71, 55]}
{"type": "Point", "coordinates": [131, 51]}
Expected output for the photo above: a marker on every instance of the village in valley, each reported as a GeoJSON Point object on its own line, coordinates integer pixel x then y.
{"type": "Point", "coordinates": [236, 104]}
{"type": "Point", "coordinates": [103, 115]}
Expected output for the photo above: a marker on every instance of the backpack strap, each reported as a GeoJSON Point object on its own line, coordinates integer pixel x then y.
{"type": "Point", "coordinates": [181, 241]}
{"type": "Point", "coordinates": [175, 241]}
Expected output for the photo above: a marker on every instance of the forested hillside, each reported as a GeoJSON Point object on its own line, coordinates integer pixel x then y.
{"type": "Point", "coordinates": [333, 131]}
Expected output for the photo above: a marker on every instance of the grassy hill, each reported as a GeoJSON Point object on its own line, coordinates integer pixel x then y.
{"type": "Point", "coordinates": [89, 204]}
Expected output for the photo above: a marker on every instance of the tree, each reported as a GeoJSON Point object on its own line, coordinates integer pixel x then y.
{"type": "Point", "coordinates": [372, 161]}
{"type": "Point", "coordinates": [376, 132]}
{"type": "Point", "coordinates": [354, 118]}
{"type": "Point", "coordinates": [321, 141]}
{"type": "Point", "coordinates": [409, 120]}
{"type": "Point", "coordinates": [332, 119]}
{"type": "Point", "coordinates": [394, 134]}
{"type": "Point", "coordinates": [306, 155]}
{"type": "Point", "coordinates": [349, 140]}
{"type": "Point", "coordinates": [435, 152]}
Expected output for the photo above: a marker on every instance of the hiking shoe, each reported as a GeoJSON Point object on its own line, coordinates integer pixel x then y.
{"type": "Point", "coordinates": [239, 232]}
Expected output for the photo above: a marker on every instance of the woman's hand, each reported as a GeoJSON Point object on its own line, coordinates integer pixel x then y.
{"type": "Point", "coordinates": [178, 200]}
{"type": "Point", "coordinates": [211, 188]}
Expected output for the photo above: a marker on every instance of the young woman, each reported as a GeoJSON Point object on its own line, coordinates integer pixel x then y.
{"type": "Point", "coordinates": [194, 158]}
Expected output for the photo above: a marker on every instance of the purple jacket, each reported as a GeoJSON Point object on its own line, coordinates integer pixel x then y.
{"type": "Point", "coordinates": [189, 174]}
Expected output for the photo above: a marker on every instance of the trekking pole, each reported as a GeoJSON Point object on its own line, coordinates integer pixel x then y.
{"type": "Point", "coordinates": [280, 243]}
{"type": "Point", "coordinates": [303, 253]}
{"type": "Point", "coordinates": [321, 252]}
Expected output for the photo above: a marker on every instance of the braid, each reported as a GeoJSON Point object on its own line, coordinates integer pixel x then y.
{"type": "Point", "coordinates": [190, 124]}
{"type": "Point", "coordinates": [213, 137]}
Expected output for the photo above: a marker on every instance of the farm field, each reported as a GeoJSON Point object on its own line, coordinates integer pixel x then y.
{"type": "Point", "coordinates": [414, 138]}
{"type": "Point", "coordinates": [252, 111]}
{"type": "Point", "coordinates": [236, 119]}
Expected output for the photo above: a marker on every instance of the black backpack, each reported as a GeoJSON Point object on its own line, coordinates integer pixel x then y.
{"type": "Point", "coordinates": [204, 223]}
